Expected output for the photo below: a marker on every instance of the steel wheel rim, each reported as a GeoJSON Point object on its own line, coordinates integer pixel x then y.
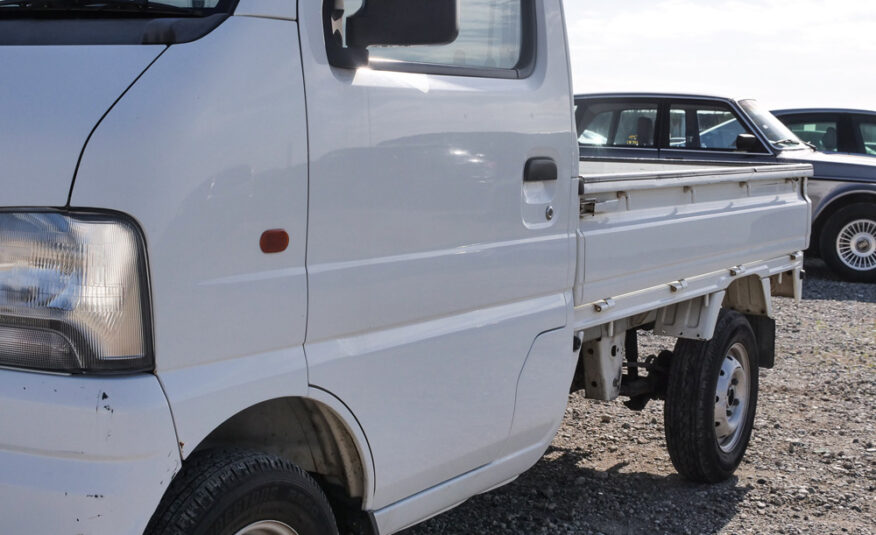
{"type": "Point", "coordinates": [856, 245]}
{"type": "Point", "coordinates": [732, 397]}
{"type": "Point", "coordinates": [267, 527]}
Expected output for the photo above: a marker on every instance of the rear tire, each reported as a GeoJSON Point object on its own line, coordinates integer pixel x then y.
{"type": "Point", "coordinates": [711, 400]}
{"type": "Point", "coordinates": [848, 242]}
{"type": "Point", "coordinates": [234, 492]}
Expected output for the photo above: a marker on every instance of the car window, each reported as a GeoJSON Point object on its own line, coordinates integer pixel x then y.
{"type": "Point", "coordinates": [596, 132]}
{"type": "Point", "coordinates": [490, 36]}
{"type": "Point", "coordinates": [779, 135]}
{"type": "Point", "coordinates": [868, 135]}
{"type": "Point", "coordinates": [822, 133]}
{"type": "Point", "coordinates": [636, 128]}
{"type": "Point", "coordinates": [704, 126]}
{"type": "Point", "coordinates": [617, 124]}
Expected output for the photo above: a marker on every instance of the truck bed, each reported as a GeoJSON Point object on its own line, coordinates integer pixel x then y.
{"type": "Point", "coordinates": [653, 234]}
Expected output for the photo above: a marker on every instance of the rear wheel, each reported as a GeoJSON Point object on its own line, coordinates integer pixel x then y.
{"type": "Point", "coordinates": [231, 492]}
{"type": "Point", "coordinates": [711, 400]}
{"type": "Point", "coordinates": [848, 242]}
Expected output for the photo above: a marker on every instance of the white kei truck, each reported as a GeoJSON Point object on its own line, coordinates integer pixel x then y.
{"type": "Point", "coordinates": [317, 267]}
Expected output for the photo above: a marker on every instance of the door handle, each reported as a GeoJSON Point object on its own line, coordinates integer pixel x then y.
{"type": "Point", "coordinates": [540, 170]}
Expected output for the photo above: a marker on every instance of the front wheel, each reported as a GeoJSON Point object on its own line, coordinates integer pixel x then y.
{"type": "Point", "coordinates": [848, 242]}
{"type": "Point", "coordinates": [237, 492]}
{"type": "Point", "coordinates": [711, 400]}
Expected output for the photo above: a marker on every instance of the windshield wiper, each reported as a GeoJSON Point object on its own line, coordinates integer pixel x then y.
{"type": "Point", "coordinates": [787, 141]}
{"type": "Point", "coordinates": [136, 7]}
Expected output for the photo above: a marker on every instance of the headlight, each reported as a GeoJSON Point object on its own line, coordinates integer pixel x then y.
{"type": "Point", "coordinates": [73, 293]}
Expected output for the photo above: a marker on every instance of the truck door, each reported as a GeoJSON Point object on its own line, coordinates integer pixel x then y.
{"type": "Point", "coordinates": [439, 241]}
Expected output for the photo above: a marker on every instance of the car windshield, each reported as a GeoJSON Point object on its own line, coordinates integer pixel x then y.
{"type": "Point", "coordinates": [775, 131]}
{"type": "Point", "coordinates": [116, 8]}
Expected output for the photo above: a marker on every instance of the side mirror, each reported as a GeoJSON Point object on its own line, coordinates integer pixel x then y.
{"type": "Point", "coordinates": [388, 23]}
{"type": "Point", "coordinates": [403, 22]}
{"type": "Point", "coordinates": [747, 143]}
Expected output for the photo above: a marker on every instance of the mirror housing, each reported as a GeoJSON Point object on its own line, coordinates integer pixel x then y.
{"type": "Point", "coordinates": [747, 143]}
{"type": "Point", "coordinates": [403, 23]}
{"type": "Point", "coordinates": [388, 23]}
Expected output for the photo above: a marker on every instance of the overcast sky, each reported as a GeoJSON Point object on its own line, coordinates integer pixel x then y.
{"type": "Point", "coordinates": [784, 53]}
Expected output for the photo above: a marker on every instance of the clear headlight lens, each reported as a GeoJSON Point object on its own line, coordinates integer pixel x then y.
{"type": "Point", "coordinates": [73, 293]}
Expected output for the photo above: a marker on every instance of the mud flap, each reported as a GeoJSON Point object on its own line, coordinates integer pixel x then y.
{"type": "Point", "coordinates": [765, 334]}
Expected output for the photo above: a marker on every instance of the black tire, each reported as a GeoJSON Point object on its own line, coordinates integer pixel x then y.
{"type": "Point", "coordinates": [692, 401]}
{"type": "Point", "coordinates": [857, 267]}
{"type": "Point", "coordinates": [220, 492]}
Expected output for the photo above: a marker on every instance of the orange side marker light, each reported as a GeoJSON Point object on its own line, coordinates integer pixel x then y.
{"type": "Point", "coordinates": [274, 241]}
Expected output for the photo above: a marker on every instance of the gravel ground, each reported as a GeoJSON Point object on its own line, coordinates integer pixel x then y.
{"type": "Point", "coordinates": [810, 468]}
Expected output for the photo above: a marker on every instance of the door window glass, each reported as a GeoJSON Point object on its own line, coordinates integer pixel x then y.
{"type": "Point", "coordinates": [636, 128]}
{"type": "Point", "coordinates": [490, 36]}
{"type": "Point", "coordinates": [597, 130]}
{"type": "Point", "coordinates": [821, 133]}
{"type": "Point", "coordinates": [617, 124]}
{"type": "Point", "coordinates": [868, 134]}
{"type": "Point", "coordinates": [695, 126]}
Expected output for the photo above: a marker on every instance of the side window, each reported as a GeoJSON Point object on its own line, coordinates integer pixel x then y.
{"type": "Point", "coordinates": [636, 128]}
{"type": "Point", "coordinates": [617, 124]}
{"type": "Point", "coordinates": [696, 126]}
{"type": "Point", "coordinates": [597, 130]}
{"type": "Point", "coordinates": [820, 132]}
{"type": "Point", "coordinates": [490, 36]}
{"type": "Point", "coordinates": [868, 135]}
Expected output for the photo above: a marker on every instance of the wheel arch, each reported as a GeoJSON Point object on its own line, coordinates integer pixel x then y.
{"type": "Point", "coordinates": [318, 435]}
{"type": "Point", "coordinates": [752, 297]}
{"type": "Point", "coordinates": [839, 199]}
{"type": "Point", "coordinates": [749, 295]}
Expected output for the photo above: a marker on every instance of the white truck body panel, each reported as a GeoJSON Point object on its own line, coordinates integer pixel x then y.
{"type": "Point", "coordinates": [427, 299]}
{"type": "Point", "coordinates": [70, 87]}
{"type": "Point", "coordinates": [229, 320]}
{"type": "Point", "coordinates": [716, 218]}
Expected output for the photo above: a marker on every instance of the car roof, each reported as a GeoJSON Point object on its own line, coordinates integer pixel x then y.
{"type": "Point", "coordinates": [655, 95]}
{"type": "Point", "coordinates": [802, 111]}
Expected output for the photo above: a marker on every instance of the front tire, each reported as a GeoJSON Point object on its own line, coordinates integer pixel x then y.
{"type": "Point", "coordinates": [711, 400]}
{"type": "Point", "coordinates": [236, 492]}
{"type": "Point", "coordinates": [848, 242]}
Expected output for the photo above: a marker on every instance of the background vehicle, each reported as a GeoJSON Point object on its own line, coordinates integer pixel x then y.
{"type": "Point", "coordinates": [833, 130]}
{"type": "Point", "coordinates": [709, 128]}
{"type": "Point", "coordinates": [248, 287]}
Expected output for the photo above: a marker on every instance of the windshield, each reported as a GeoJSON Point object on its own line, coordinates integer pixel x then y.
{"type": "Point", "coordinates": [774, 130]}
{"type": "Point", "coordinates": [115, 8]}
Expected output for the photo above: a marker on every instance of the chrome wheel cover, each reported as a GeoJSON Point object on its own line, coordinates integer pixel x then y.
{"type": "Point", "coordinates": [732, 397]}
{"type": "Point", "coordinates": [856, 245]}
{"type": "Point", "coordinates": [267, 527]}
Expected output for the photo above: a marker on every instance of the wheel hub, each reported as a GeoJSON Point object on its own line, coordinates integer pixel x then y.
{"type": "Point", "coordinates": [267, 527]}
{"type": "Point", "coordinates": [856, 245]}
{"type": "Point", "coordinates": [731, 397]}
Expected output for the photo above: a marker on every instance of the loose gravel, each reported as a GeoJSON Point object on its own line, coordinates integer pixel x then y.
{"type": "Point", "coordinates": [810, 468]}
